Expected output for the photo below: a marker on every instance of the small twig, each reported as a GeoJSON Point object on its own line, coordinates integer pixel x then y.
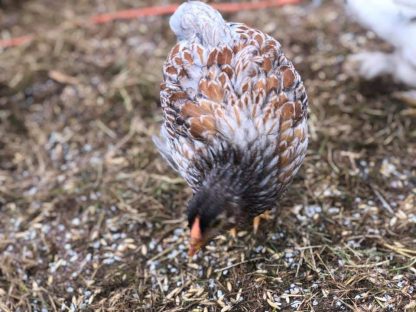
{"type": "Point", "coordinates": [409, 265]}
{"type": "Point", "coordinates": [401, 251]}
{"type": "Point", "coordinates": [326, 267]}
{"type": "Point", "coordinates": [384, 202]}
{"type": "Point", "coordinates": [237, 264]}
{"type": "Point", "coordinates": [370, 265]}
{"type": "Point", "coordinates": [308, 247]}
{"type": "Point", "coordinates": [164, 252]}
{"type": "Point", "coordinates": [106, 129]}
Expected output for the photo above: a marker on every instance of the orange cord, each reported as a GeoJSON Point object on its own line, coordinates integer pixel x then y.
{"type": "Point", "coordinates": [134, 13]}
{"type": "Point", "coordinates": [14, 42]}
{"type": "Point", "coordinates": [168, 9]}
{"type": "Point", "coordinates": [235, 7]}
{"type": "Point", "coordinates": [157, 11]}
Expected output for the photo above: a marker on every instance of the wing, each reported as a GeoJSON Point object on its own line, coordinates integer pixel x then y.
{"type": "Point", "coordinates": [229, 83]}
{"type": "Point", "coordinates": [237, 93]}
{"type": "Point", "coordinates": [189, 105]}
{"type": "Point", "coordinates": [208, 93]}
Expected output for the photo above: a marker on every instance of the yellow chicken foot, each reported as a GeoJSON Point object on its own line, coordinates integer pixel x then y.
{"type": "Point", "coordinates": [256, 221]}
{"type": "Point", "coordinates": [233, 232]}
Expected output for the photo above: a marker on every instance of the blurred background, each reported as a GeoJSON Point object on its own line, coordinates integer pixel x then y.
{"type": "Point", "coordinates": [91, 218]}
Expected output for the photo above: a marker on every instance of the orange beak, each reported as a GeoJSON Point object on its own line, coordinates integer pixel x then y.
{"type": "Point", "coordinates": [196, 241]}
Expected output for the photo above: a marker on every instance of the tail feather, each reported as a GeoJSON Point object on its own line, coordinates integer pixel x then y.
{"type": "Point", "coordinates": [162, 148]}
{"type": "Point", "coordinates": [195, 21]}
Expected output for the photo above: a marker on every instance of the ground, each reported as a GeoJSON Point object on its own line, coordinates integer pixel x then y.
{"type": "Point", "coordinates": [91, 218]}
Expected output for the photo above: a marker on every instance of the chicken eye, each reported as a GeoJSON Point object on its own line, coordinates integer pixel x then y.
{"type": "Point", "coordinates": [216, 223]}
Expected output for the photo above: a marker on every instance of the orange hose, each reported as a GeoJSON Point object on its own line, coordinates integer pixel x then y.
{"type": "Point", "coordinates": [169, 9]}
{"type": "Point", "coordinates": [134, 13]}
{"type": "Point", "coordinates": [235, 7]}
{"type": "Point", "coordinates": [13, 42]}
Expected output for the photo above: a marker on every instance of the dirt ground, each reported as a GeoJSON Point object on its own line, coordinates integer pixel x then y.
{"type": "Point", "coordinates": [91, 218]}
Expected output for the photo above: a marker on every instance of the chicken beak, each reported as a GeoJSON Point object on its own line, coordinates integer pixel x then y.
{"type": "Point", "coordinates": [194, 247]}
{"type": "Point", "coordinates": [196, 241]}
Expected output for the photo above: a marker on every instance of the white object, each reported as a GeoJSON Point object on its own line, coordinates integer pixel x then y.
{"type": "Point", "coordinates": [395, 22]}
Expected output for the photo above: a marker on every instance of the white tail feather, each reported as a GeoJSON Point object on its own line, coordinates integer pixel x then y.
{"type": "Point", "coordinates": [195, 21]}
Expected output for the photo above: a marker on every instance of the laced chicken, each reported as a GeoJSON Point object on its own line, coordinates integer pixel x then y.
{"type": "Point", "coordinates": [235, 120]}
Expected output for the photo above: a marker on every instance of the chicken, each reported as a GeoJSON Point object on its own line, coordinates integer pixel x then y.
{"type": "Point", "coordinates": [395, 22]}
{"type": "Point", "coordinates": [235, 120]}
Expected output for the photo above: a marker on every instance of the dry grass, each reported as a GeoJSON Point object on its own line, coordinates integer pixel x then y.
{"type": "Point", "coordinates": [92, 219]}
